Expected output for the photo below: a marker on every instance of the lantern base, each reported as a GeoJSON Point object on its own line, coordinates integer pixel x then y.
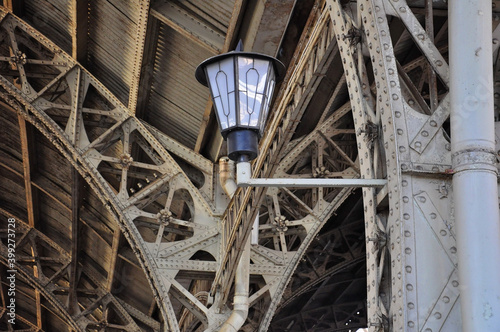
{"type": "Point", "coordinates": [242, 142]}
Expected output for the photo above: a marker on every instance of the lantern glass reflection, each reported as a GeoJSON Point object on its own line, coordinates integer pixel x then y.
{"type": "Point", "coordinates": [241, 85]}
{"type": "Point", "coordinates": [221, 81]}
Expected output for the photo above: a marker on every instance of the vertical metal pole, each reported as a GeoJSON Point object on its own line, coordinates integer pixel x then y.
{"type": "Point", "coordinates": [473, 155]}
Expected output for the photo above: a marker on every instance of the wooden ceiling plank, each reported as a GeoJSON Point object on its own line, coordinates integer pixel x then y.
{"type": "Point", "coordinates": [80, 28]}
{"type": "Point", "coordinates": [139, 52]}
{"type": "Point", "coordinates": [76, 203]}
{"type": "Point", "coordinates": [114, 259]}
{"type": "Point", "coordinates": [29, 164]}
{"type": "Point", "coordinates": [27, 146]}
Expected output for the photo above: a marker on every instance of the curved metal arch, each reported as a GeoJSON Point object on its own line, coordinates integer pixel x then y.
{"type": "Point", "coordinates": [86, 149]}
{"type": "Point", "coordinates": [48, 286]}
{"type": "Point", "coordinates": [23, 235]}
{"type": "Point", "coordinates": [24, 320]}
{"type": "Point", "coordinates": [63, 122]}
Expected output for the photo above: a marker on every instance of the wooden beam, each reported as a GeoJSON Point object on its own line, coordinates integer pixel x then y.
{"type": "Point", "coordinates": [115, 246]}
{"type": "Point", "coordinates": [80, 27]}
{"type": "Point", "coordinates": [15, 6]}
{"type": "Point", "coordinates": [76, 203]}
{"type": "Point", "coordinates": [140, 49]}
{"type": "Point", "coordinates": [28, 152]}
{"type": "Point", "coordinates": [3, 292]}
{"type": "Point", "coordinates": [29, 164]}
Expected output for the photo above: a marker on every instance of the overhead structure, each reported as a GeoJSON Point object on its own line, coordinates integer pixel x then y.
{"type": "Point", "coordinates": [109, 169]}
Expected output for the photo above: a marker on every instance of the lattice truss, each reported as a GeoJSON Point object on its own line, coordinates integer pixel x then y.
{"type": "Point", "coordinates": [386, 118]}
{"type": "Point", "coordinates": [166, 211]}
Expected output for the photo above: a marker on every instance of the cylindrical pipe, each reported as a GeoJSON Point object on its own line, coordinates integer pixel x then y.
{"type": "Point", "coordinates": [473, 156]}
{"type": "Point", "coordinates": [241, 285]}
{"type": "Point", "coordinates": [242, 276]}
{"type": "Point", "coordinates": [226, 176]}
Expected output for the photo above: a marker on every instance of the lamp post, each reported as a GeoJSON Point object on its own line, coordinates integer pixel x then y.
{"type": "Point", "coordinates": [241, 85]}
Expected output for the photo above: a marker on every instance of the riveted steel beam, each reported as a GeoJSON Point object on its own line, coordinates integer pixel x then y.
{"type": "Point", "coordinates": [141, 42]}
{"type": "Point", "coordinates": [49, 287]}
{"type": "Point", "coordinates": [418, 191]}
{"type": "Point", "coordinates": [26, 237]}
{"type": "Point", "coordinates": [63, 120]}
{"type": "Point", "coordinates": [240, 214]}
{"type": "Point", "coordinates": [197, 30]}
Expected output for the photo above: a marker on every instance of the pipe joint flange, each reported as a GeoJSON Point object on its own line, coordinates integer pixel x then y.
{"type": "Point", "coordinates": [474, 159]}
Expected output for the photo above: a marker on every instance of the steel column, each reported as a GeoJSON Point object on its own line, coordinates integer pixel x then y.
{"type": "Point", "coordinates": [474, 159]}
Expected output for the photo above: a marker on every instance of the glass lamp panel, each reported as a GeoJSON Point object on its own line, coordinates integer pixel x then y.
{"type": "Point", "coordinates": [253, 120]}
{"type": "Point", "coordinates": [252, 82]}
{"type": "Point", "coordinates": [267, 99]}
{"type": "Point", "coordinates": [222, 87]}
{"type": "Point", "coordinates": [262, 67]}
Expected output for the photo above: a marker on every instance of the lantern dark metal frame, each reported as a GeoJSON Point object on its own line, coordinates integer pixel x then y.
{"type": "Point", "coordinates": [242, 138]}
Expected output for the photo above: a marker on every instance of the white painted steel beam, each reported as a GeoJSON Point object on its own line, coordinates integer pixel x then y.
{"type": "Point", "coordinates": [474, 164]}
{"type": "Point", "coordinates": [244, 179]}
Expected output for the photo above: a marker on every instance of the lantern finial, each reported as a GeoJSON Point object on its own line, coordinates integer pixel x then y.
{"type": "Point", "coordinates": [239, 47]}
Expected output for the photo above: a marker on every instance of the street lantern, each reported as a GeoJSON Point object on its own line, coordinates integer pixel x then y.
{"type": "Point", "coordinates": [241, 85]}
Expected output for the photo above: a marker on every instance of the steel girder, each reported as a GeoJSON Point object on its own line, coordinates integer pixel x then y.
{"type": "Point", "coordinates": [411, 249]}
{"type": "Point", "coordinates": [168, 213]}
{"type": "Point", "coordinates": [44, 265]}
{"type": "Point", "coordinates": [97, 134]}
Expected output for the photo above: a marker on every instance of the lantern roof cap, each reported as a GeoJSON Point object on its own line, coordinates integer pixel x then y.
{"type": "Point", "coordinates": [279, 67]}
